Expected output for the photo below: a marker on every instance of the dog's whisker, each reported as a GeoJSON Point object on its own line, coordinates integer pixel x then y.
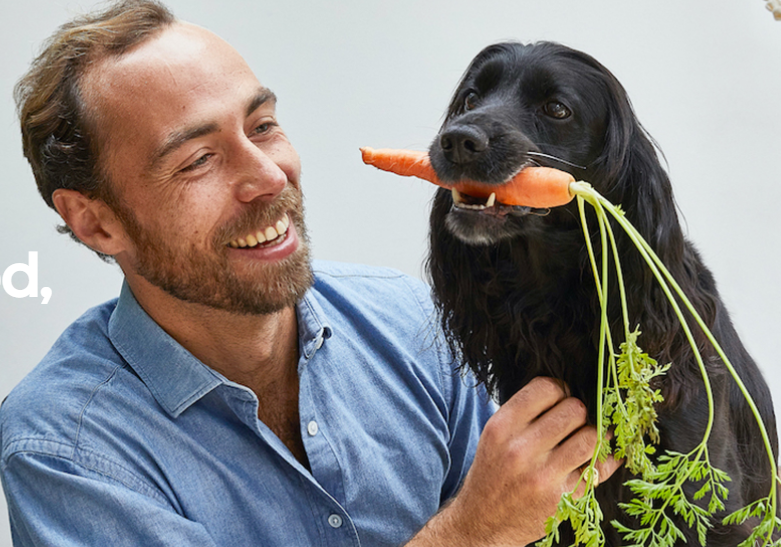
{"type": "Point", "coordinates": [560, 160]}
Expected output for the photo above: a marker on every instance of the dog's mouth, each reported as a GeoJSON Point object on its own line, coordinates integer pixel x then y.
{"type": "Point", "coordinates": [489, 206]}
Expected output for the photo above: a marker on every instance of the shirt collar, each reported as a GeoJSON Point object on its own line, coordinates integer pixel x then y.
{"type": "Point", "coordinates": [174, 376]}
{"type": "Point", "coordinates": [313, 327]}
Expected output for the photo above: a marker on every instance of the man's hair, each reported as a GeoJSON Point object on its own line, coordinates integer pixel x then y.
{"type": "Point", "coordinates": [57, 133]}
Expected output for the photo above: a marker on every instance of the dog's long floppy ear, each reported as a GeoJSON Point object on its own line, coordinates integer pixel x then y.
{"type": "Point", "coordinates": [631, 173]}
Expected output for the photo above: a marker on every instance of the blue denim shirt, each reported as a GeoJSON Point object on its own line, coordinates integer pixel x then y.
{"type": "Point", "coordinates": [121, 437]}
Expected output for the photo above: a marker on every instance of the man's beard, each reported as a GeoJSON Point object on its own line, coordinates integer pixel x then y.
{"type": "Point", "coordinates": [193, 275]}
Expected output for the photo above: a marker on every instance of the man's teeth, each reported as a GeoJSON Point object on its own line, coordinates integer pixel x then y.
{"type": "Point", "coordinates": [262, 236]}
{"type": "Point", "coordinates": [459, 201]}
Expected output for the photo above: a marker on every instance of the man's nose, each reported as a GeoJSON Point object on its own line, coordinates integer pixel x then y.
{"type": "Point", "coordinates": [257, 174]}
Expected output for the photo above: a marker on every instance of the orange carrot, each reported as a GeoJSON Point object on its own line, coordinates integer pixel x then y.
{"type": "Point", "coordinates": [532, 187]}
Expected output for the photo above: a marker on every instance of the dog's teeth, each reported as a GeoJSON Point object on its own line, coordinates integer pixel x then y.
{"type": "Point", "coordinates": [459, 201]}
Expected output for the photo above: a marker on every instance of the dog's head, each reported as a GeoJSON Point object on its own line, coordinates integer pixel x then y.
{"type": "Point", "coordinates": [520, 105]}
{"type": "Point", "coordinates": [512, 285]}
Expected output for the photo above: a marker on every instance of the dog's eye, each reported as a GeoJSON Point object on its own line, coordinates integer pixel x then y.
{"type": "Point", "coordinates": [556, 110]}
{"type": "Point", "coordinates": [470, 101]}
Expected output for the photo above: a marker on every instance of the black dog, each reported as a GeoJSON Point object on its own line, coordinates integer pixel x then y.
{"type": "Point", "coordinates": [514, 286]}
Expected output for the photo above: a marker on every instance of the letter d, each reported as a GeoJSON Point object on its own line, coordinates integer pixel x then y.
{"type": "Point", "coordinates": [30, 269]}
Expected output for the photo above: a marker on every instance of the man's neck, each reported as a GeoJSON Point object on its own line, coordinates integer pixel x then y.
{"type": "Point", "coordinates": [257, 351]}
{"type": "Point", "coordinates": [252, 350]}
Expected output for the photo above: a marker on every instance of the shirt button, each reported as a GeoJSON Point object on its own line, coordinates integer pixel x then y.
{"type": "Point", "coordinates": [335, 521]}
{"type": "Point", "coordinates": [319, 343]}
{"type": "Point", "coordinates": [312, 428]}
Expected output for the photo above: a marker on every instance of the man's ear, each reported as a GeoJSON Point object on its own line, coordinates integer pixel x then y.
{"type": "Point", "coordinates": [91, 220]}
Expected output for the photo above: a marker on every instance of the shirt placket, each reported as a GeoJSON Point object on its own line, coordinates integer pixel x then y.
{"type": "Point", "coordinates": [333, 523]}
{"type": "Point", "coordinates": [323, 462]}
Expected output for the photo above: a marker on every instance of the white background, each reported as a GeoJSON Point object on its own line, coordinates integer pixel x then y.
{"type": "Point", "coordinates": [704, 77]}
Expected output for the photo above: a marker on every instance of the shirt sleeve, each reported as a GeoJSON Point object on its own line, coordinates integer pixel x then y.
{"type": "Point", "coordinates": [53, 501]}
{"type": "Point", "coordinates": [470, 409]}
{"type": "Point", "coordinates": [469, 404]}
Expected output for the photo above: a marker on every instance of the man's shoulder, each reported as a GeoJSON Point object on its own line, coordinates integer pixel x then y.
{"type": "Point", "coordinates": [349, 269]}
{"type": "Point", "coordinates": [86, 339]}
{"type": "Point", "coordinates": [330, 270]}
{"type": "Point", "coordinates": [378, 284]}
{"type": "Point", "coordinates": [387, 310]}
{"type": "Point", "coordinates": [47, 403]}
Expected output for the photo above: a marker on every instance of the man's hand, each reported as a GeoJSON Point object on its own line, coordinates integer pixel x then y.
{"type": "Point", "coordinates": [530, 452]}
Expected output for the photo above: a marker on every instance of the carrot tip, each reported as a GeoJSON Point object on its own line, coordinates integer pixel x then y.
{"type": "Point", "coordinates": [367, 154]}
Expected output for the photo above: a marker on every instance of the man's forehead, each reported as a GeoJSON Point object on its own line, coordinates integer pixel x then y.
{"type": "Point", "coordinates": [178, 68]}
{"type": "Point", "coordinates": [181, 78]}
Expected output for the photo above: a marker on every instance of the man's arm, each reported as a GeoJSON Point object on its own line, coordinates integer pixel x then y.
{"type": "Point", "coordinates": [55, 502]}
{"type": "Point", "coordinates": [530, 453]}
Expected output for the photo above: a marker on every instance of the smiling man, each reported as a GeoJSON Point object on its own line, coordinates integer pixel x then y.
{"type": "Point", "coordinates": [234, 394]}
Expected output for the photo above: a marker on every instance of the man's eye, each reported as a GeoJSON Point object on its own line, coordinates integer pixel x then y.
{"type": "Point", "coordinates": [263, 128]}
{"type": "Point", "coordinates": [557, 110]}
{"type": "Point", "coordinates": [196, 164]}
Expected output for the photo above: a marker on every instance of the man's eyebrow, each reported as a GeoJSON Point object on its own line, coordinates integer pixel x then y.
{"type": "Point", "coordinates": [179, 137]}
{"type": "Point", "coordinates": [262, 96]}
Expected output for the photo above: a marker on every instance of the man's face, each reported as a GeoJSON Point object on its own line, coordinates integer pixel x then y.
{"type": "Point", "coordinates": [201, 168]}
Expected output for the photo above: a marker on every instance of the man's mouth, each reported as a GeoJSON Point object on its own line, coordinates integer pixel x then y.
{"type": "Point", "coordinates": [270, 235]}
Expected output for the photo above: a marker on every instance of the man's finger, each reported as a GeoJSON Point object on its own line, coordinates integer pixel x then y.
{"type": "Point", "coordinates": [561, 423]}
{"type": "Point", "coordinates": [608, 467]}
{"type": "Point", "coordinates": [536, 397]}
{"type": "Point", "coordinates": [576, 451]}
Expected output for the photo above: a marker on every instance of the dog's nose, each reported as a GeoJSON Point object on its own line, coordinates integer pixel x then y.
{"type": "Point", "coordinates": [463, 144]}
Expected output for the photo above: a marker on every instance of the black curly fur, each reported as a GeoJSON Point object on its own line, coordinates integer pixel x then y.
{"type": "Point", "coordinates": [515, 289]}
